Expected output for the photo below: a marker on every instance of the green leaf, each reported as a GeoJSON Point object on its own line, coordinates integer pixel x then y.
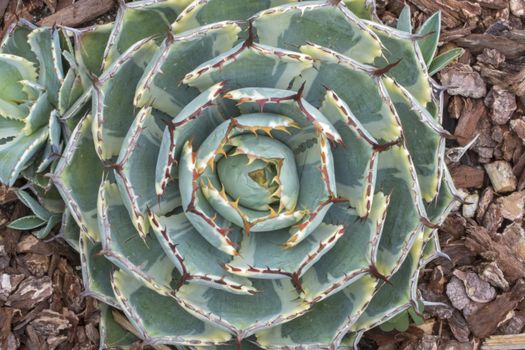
{"type": "Point", "coordinates": [325, 322]}
{"type": "Point", "coordinates": [353, 254]}
{"type": "Point", "coordinates": [264, 255]}
{"type": "Point", "coordinates": [404, 21]}
{"type": "Point", "coordinates": [171, 323]}
{"type": "Point", "coordinates": [53, 221]}
{"type": "Point", "coordinates": [90, 46]}
{"type": "Point", "coordinates": [410, 71]}
{"type": "Point", "coordinates": [14, 69]}
{"type": "Point", "coordinates": [78, 176]}
{"type": "Point", "coordinates": [276, 301]}
{"type": "Point", "coordinates": [70, 230]}
{"type": "Point", "coordinates": [113, 98]}
{"type": "Point", "coordinates": [156, 87]}
{"type": "Point", "coordinates": [45, 43]}
{"type": "Point", "coordinates": [444, 60]}
{"type": "Point", "coordinates": [26, 223]}
{"type": "Point", "coordinates": [430, 30]}
{"type": "Point", "coordinates": [291, 26]}
{"type": "Point", "coordinates": [142, 258]}
{"type": "Point", "coordinates": [212, 11]}
{"type": "Point", "coordinates": [33, 204]}
{"type": "Point", "coordinates": [255, 65]}
{"type": "Point", "coordinates": [137, 21]}
{"type": "Point", "coordinates": [15, 154]}
{"type": "Point", "coordinates": [136, 175]}
{"type": "Point", "coordinates": [96, 271]}
{"type": "Point", "coordinates": [193, 254]}
{"type": "Point", "coordinates": [112, 334]}
{"type": "Point", "coordinates": [16, 40]}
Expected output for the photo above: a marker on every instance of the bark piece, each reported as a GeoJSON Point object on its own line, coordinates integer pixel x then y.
{"type": "Point", "coordinates": [504, 342]}
{"type": "Point", "coordinates": [492, 57]}
{"type": "Point", "coordinates": [471, 204]}
{"type": "Point", "coordinates": [512, 206]}
{"type": "Point", "coordinates": [487, 196]}
{"type": "Point", "coordinates": [502, 104]}
{"type": "Point", "coordinates": [507, 250]}
{"type": "Point", "coordinates": [30, 292]}
{"type": "Point", "coordinates": [458, 326]}
{"type": "Point", "coordinates": [476, 289]}
{"type": "Point", "coordinates": [486, 320]}
{"type": "Point", "coordinates": [457, 294]}
{"type": "Point", "coordinates": [471, 112]}
{"type": "Point", "coordinates": [477, 42]}
{"type": "Point", "coordinates": [518, 126]}
{"type": "Point", "coordinates": [517, 7]}
{"type": "Point", "coordinates": [50, 322]}
{"type": "Point", "coordinates": [465, 176]}
{"type": "Point", "coordinates": [461, 79]}
{"type": "Point", "coordinates": [501, 176]}
{"type": "Point", "coordinates": [79, 12]}
{"type": "Point", "coordinates": [493, 275]}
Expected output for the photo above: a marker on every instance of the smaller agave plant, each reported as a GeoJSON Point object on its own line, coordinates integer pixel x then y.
{"type": "Point", "coordinates": [262, 174]}
{"type": "Point", "coordinates": [46, 85]}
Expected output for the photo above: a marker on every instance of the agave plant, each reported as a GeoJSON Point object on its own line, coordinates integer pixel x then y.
{"type": "Point", "coordinates": [255, 173]}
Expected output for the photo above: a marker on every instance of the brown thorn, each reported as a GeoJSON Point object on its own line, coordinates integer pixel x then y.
{"type": "Point", "coordinates": [169, 37]}
{"type": "Point", "coordinates": [427, 223]}
{"type": "Point", "coordinates": [382, 71]}
{"type": "Point", "coordinates": [334, 2]}
{"type": "Point", "coordinates": [300, 92]}
{"type": "Point", "coordinates": [251, 36]}
{"type": "Point", "coordinates": [372, 269]}
{"type": "Point", "coordinates": [296, 281]}
{"type": "Point", "coordinates": [387, 146]}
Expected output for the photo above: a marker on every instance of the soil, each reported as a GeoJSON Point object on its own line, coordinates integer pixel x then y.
{"type": "Point", "coordinates": [478, 289]}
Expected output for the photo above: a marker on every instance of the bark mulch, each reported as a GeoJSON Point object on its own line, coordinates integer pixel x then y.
{"type": "Point", "coordinates": [480, 289]}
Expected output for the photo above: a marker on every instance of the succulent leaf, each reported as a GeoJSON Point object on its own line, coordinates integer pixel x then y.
{"type": "Point", "coordinates": [249, 173]}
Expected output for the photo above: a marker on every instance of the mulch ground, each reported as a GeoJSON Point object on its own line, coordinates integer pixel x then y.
{"type": "Point", "coordinates": [479, 291]}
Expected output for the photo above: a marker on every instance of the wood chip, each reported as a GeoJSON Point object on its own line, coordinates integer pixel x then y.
{"type": "Point", "coordinates": [465, 176]}
{"type": "Point", "coordinates": [502, 104]}
{"type": "Point", "coordinates": [504, 342]}
{"type": "Point", "coordinates": [476, 289]}
{"type": "Point", "coordinates": [508, 252]}
{"type": "Point", "coordinates": [461, 79]}
{"type": "Point", "coordinates": [487, 319]}
{"type": "Point", "coordinates": [471, 112]}
{"type": "Point", "coordinates": [512, 206]}
{"type": "Point", "coordinates": [501, 176]}
{"type": "Point", "coordinates": [79, 12]}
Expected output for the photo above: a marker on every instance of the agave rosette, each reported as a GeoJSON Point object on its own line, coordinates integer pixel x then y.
{"type": "Point", "coordinates": [269, 171]}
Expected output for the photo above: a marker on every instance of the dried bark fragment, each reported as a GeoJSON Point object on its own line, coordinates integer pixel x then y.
{"type": "Point", "coordinates": [492, 57]}
{"type": "Point", "coordinates": [517, 7]}
{"type": "Point", "coordinates": [458, 326]}
{"type": "Point", "coordinates": [472, 111]}
{"type": "Point", "coordinates": [461, 79]}
{"type": "Point", "coordinates": [50, 322]}
{"type": "Point", "coordinates": [465, 176]}
{"type": "Point", "coordinates": [493, 274]}
{"type": "Point", "coordinates": [79, 12]}
{"type": "Point", "coordinates": [493, 218]}
{"type": "Point", "coordinates": [502, 104]}
{"type": "Point", "coordinates": [486, 320]}
{"type": "Point", "coordinates": [457, 294]}
{"type": "Point", "coordinates": [512, 206]}
{"type": "Point", "coordinates": [487, 196]}
{"type": "Point", "coordinates": [501, 176]}
{"type": "Point", "coordinates": [30, 292]}
{"type": "Point", "coordinates": [476, 289]}
{"type": "Point", "coordinates": [507, 251]}
{"type": "Point", "coordinates": [470, 206]}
